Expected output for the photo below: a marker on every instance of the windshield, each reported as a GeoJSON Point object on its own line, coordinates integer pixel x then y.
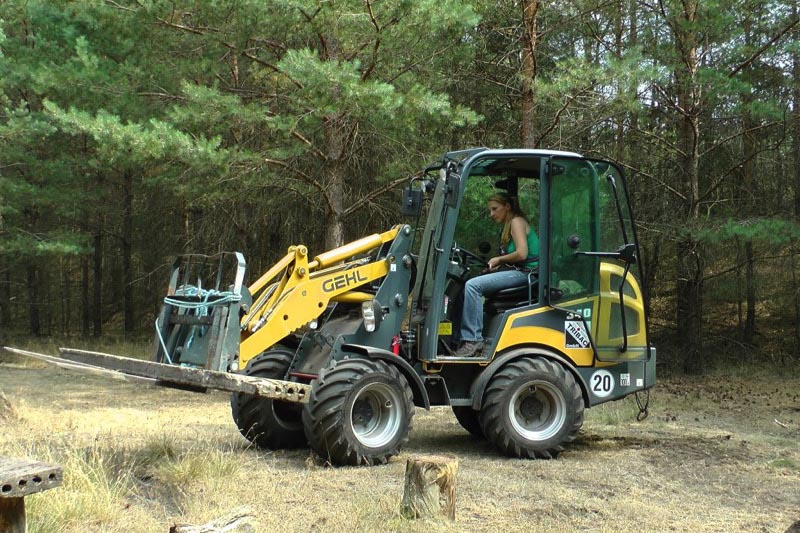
{"type": "Point", "coordinates": [517, 178]}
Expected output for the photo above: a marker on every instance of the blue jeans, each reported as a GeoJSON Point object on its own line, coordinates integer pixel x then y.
{"type": "Point", "coordinates": [474, 291]}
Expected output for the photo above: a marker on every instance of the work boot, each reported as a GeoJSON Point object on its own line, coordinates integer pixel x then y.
{"type": "Point", "coordinates": [469, 349]}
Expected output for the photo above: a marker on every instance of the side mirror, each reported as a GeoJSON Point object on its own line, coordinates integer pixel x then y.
{"type": "Point", "coordinates": [412, 202]}
{"type": "Point", "coordinates": [484, 247]}
{"type": "Point", "coordinates": [627, 253]}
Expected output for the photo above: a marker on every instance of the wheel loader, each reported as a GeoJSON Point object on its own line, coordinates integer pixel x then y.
{"type": "Point", "coordinates": [335, 350]}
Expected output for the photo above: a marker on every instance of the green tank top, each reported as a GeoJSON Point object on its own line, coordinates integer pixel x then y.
{"type": "Point", "coordinates": [533, 249]}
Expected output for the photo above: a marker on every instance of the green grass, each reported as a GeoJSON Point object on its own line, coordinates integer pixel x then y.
{"type": "Point", "coordinates": [97, 480]}
{"type": "Point", "coordinates": [104, 479]}
{"type": "Point", "coordinates": [785, 463]}
{"type": "Point", "coordinates": [196, 467]}
{"type": "Point", "coordinates": [612, 413]}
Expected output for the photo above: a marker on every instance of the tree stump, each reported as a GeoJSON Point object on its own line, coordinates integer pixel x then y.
{"type": "Point", "coordinates": [430, 487]}
{"type": "Point", "coordinates": [7, 411]}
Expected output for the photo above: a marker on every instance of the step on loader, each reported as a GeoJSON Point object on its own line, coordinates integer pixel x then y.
{"type": "Point", "coordinates": [336, 350]}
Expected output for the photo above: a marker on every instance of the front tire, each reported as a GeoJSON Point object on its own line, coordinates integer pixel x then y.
{"type": "Point", "coordinates": [359, 412]}
{"type": "Point", "coordinates": [532, 408]}
{"type": "Point", "coordinates": [267, 423]}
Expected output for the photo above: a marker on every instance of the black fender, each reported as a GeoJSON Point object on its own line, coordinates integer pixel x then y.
{"type": "Point", "coordinates": [417, 387]}
{"type": "Point", "coordinates": [479, 385]}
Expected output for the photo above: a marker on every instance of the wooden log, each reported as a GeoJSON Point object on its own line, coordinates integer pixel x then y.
{"type": "Point", "coordinates": [236, 521]}
{"type": "Point", "coordinates": [19, 478]}
{"type": "Point", "coordinates": [430, 487]}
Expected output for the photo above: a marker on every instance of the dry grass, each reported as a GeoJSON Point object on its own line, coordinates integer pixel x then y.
{"type": "Point", "coordinates": [710, 458]}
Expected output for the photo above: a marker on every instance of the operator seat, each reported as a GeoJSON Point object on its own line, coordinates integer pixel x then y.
{"type": "Point", "coordinates": [512, 297]}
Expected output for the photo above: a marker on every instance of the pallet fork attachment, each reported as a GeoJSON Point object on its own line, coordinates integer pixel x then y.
{"type": "Point", "coordinates": [171, 376]}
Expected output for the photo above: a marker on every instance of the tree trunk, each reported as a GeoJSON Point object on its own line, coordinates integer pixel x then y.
{"type": "Point", "coordinates": [619, 142]}
{"type": "Point", "coordinates": [530, 9]}
{"type": "Point", "coordinates": [651, 257]}
{"type": "Point", "coordinates": [66, 296]}
{"type": "Point", "coordinates": [86, 316]}
{"type": "Point", "coordinates": [796, 302]}
{"type": "Point", "coordinates": [690, 304]}
{"type": "Point", "coordinates": [750, 316]}
{"type": "Point", "coordinates": [5, 290]}
{"type": "Point", "coordinates": [795, 116]}
{"type": "Point", "coordinates": [97, 276]}
{"type": "Point", "coordinates": [127, 251]}
{"type": "Point", "coordinates": [5, 297]}
{"type": "Point", "coordinates": [334, 231]}
{"type": "Point", "coordinates": [739, 303]}
{"type": "Point", "coordinates": [749, 191]}
{"type": "Point", "coordinates": [32, 282]}
{"type": "Point", "coordinates": [689, 254]}
{"type": "Point", "coordinates": [336, 138]}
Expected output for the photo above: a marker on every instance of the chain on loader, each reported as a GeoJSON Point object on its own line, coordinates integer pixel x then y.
{"type": "Point", "coordinates": [336, 350]}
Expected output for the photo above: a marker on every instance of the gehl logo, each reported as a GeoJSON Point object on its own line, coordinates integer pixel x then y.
{"type": "Point", "coordinates": [342, 280]}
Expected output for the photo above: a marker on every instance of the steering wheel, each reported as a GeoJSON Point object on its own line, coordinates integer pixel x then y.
{"type": "Point", "coordinates": [467, 256]}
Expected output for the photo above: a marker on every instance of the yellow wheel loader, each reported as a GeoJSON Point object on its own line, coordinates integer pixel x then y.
{"type": "Point", "coordinates": [336, 350]}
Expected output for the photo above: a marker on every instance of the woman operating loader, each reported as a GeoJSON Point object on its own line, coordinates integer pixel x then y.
{"type": "Point", "coordinates": [519, 254]}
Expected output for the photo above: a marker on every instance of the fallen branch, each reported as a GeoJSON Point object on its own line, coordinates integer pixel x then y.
{"type": "Point", "coordinates": [236, 521]}
{"type": "Point", "coordinates": [781, 424]}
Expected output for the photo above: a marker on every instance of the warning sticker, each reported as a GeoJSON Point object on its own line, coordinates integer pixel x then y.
{"type": "Point", "coordinates": [575, 334]}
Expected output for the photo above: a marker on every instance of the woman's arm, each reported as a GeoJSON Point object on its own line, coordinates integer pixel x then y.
{"type": "Point", "coordinates": [519, 232]}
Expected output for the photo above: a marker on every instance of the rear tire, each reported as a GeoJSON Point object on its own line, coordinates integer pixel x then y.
{"type": "Point", "coordinates": [267, 423]}
{"type": "Point", "coordinates": [532, 408]}
{"type": "Point", "coordinates": [359, 412]}
{"type": "Point", "coordinates": [469, 419]}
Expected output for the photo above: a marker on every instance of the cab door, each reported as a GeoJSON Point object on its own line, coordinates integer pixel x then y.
{"type": "Point", "coordinates": [593, 269]}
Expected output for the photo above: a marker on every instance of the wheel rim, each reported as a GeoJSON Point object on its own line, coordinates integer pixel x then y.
{"type": "Point", "coordinates": [375, 416]}
{"type": "Point", "coordinates": [537, 410]}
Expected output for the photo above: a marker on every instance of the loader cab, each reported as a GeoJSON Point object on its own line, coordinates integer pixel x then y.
{"type": "Point", "coordinates": [580, 211]}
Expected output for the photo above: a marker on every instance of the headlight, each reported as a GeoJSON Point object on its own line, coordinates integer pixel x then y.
{"type": "Point", "coordinates": [372, 315]}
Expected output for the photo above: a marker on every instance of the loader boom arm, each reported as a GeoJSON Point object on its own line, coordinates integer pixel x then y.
{"type": "Point", "coordinates": [296, 291]}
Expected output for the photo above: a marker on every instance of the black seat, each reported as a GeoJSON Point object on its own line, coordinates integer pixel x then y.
{"type": "Point", "coordinates": [512, 297]}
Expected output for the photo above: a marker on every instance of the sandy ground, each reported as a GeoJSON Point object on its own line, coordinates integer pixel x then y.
{"type": "Point", "coordinates": [719, 453]}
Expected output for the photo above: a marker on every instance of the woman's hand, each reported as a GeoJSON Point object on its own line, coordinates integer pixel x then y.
{"type": "Point", "coordinates": [494, 263]}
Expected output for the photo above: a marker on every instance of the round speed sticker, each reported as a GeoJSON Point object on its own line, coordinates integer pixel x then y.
{"type": "Point", "coordinates": [602, 383]}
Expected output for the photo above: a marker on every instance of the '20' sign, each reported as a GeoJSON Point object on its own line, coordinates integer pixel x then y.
{"type": "Point", "coordinates": [602, 383]}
